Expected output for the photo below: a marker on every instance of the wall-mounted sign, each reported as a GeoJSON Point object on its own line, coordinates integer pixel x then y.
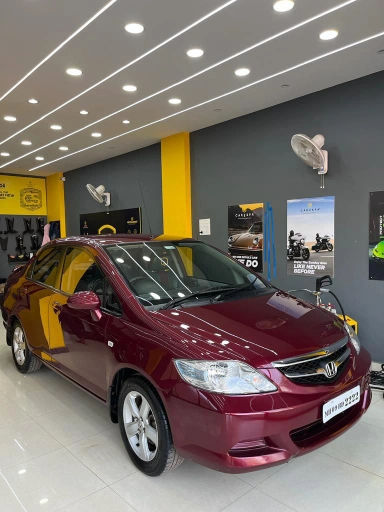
{"type": "Point", "coordinates": [245, 234]}
{"type": "Point", "coordinates": [204, 227]}
{"type": "Point", "coordinates": [117, 221]}
{"type": "Point", "coordinates": [310, 244]}
{"type": "Point", "coordinates": [21, 195]}
{"type": "Point", "coordinates": [376, 236]}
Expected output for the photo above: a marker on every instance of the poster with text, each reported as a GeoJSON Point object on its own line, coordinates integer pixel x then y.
{"type": "Point", "coordinates": [116, 221]}
{"type": "Point", "coordinates": [376, 236]}
{"type": "Point", "coordinates": [245, 234]}
{"type": "Point", "coordinates": [310, 236]}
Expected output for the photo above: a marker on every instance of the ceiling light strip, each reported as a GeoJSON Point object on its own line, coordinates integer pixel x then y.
{"type": "Point", "coordinates": [80, 29]}
{"type": "Point", "coordinates": [200, 20]}
{"type": "Point", "coordinates": [260, 43]}
{"type": "Point", "coordinates": [297, 66]}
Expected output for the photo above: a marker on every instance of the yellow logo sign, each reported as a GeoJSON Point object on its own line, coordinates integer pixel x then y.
{"type": "Point", "coordinates": [31, 198]}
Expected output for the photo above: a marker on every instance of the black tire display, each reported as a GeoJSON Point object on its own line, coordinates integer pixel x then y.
{"type": "Point", "coordinates": [145, 428]}
{"type": "Point", "coordinates": [24, 360]}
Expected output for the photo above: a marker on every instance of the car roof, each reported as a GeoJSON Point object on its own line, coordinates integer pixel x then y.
{"type": "Point", "coordinates": [112, 239]}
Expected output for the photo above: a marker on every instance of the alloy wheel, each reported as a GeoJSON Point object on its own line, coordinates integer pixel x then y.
{"type": "Point", "coordinates": [19, 347]}
{"type": "Point", "coordinates": [140, 426]}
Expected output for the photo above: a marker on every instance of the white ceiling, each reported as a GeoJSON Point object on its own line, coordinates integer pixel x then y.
{"type": "Point", "coordinates": [272, 44]}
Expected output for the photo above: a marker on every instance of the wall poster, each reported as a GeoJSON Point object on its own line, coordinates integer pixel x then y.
{"type": "Point", "coordinates": [245, 234]}
{"type": "Point", "coordinates": [117, 221]}
{"type": "Point", "coordinates": [21, 195]}
{"type": "Point", "coordinates": [376, 236]}
{"type": "Point", "coordinates": [310, 244]}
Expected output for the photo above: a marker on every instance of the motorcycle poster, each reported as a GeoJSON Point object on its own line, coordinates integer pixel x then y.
{"type": "Point", "coordinates": [310, 236]}
{"type": "Point", "coordinates": [376, 236]}
{"type": "Point", "coordinates": [245, 234]}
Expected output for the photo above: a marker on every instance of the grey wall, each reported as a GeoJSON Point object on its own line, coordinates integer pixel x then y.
{"type": "Point", "coordinates": [120, 176]}
{"type": "Point", "coordinates": [249, 159]}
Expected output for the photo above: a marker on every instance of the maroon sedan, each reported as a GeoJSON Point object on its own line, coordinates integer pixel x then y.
{"type": "Point", "coordinates": [194, 355]}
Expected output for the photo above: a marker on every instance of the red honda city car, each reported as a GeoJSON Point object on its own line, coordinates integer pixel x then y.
{"type": "Point", "coordinates": [194, 355]}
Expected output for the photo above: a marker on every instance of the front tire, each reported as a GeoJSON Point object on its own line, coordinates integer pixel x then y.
{"type": "Point", "coordinates": [23, 358]}
{"type": "Point", "coordinates": [145, 428]}
{"type": "Point", "coordinates": [330, 247]}
{"type": "Point", "coordinates": [305, 254]}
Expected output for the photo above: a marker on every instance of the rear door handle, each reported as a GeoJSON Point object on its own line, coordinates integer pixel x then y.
{"type": "Point", "coordinates": [56, 306]}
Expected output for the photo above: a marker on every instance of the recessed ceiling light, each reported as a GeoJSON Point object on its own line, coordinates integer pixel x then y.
{"type": "Point", "coordinates": [134, 28]}
{"type": "Point", "coordinates": [195, 52]}
{"type": "Point", "coordinates": [63, 148]}
{"type": "Point", "coordinates": [174, 101]}
{"type": "Point", "coordinates": [4, 153]}
{"type": "Point", "coordinates": [56, 127]}
{"type": "Point", "coordinates": [11, 119]}
{"type": "Point", "coordinates": [328, 34]}
{"type": "Point", "coordinates": [26, 143]}
{"type": "Point", "coordinates": [242, 72]}
{"type": "Point", "coordinates": [130, 88]}
{"type": "Point", "coordinates": [285, 86]}
{"type": "Point", "coordinates": [283, 5]}
{"type": "Point", "coordinates": [217, 110]}
{"type": "Point", "coordinates": [84, 112]}
{"type": "Point", "coordinates": [74, 72]}
{"type": "Point", "coordinates": [125, 121]}
{"type": "Point", "coordinates": [96, 134]}
{"type": "Point", "coordinates": [39, 158]}
{"type": "Point", "coordinates": [33, 101]}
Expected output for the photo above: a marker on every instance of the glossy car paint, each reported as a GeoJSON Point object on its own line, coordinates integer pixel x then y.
{"type": "Point", "coordinates": [205, 426]}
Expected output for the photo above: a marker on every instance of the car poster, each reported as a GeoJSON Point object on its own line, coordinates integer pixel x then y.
{"type": "Point", "coordinates": [310, 236]}
{"type": "Point", "coordinates": [376, 236]}
{"type": "Point", "coordinates": [245, 234]}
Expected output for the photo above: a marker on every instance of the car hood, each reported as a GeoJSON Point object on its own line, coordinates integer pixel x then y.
{"type": "Point", "coordinates": [257, 330]}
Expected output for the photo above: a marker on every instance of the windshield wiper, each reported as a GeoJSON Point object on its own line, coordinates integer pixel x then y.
{"type": "Point", "coordinates": [237, 289]}
{"type": "Point", "coordinates": [175, 302]}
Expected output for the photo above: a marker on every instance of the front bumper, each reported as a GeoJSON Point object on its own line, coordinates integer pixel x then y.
{"type": "Point", "coordinates": [236, 434]}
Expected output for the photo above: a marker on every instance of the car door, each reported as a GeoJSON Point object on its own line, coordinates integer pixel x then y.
{"type": "Point", "coordinates": [34, 298]}
{"type": "Point", "coordinates": [78, 342]}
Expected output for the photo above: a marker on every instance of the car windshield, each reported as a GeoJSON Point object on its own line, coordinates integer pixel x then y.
{"type": "Point", "coordinates": [255, 229]}
{"type": "Point", "coordinates": [161, 272]}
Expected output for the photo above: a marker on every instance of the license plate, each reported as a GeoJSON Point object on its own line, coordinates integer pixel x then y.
{"type": "Point", "coordinates": [341, 403]}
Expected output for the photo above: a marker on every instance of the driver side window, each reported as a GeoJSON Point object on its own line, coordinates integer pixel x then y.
{"type": "Point", "coordinates": [81, 273]}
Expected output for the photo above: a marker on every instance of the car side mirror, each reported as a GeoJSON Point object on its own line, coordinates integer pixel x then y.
{"type": "Point", "coordinates": [86, 301]}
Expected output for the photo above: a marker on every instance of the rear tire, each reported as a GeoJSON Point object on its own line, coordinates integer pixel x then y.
{"type": "Point", "coordinates": [145, 428]}
{"type": "Point", "coordinates": [24, 360]}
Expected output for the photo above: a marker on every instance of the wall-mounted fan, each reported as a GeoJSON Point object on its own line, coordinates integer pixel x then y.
{"type": "Point", "coordinates": [310, 152]}
{"type": "Point", "coordinates": [99, 194]}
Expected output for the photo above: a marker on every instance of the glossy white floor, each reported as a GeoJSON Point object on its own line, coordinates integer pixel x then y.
{"type": "Point", "coordinates": [59, 451]}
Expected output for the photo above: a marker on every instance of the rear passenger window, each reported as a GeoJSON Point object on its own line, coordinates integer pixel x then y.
{"type": "Point", "coordinates": [80, 273]}
{"type": "Point", "coordinates": [46, 266]}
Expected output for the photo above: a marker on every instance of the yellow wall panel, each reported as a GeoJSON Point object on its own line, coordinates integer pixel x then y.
{"type": "Point", "coordinates": [176, 184]}
{"type": "Point", "coordinates": [56, 201]}
{"type": "Point", "coordinates": [20, 195]}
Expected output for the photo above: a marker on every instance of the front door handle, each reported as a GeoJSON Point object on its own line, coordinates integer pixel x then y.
{"type": "Point", "coordinates": [56, 306]}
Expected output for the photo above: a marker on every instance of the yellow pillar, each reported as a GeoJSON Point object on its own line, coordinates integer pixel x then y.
{"type": "Point", "coordinates": [176, 183]}
{"type": "Point", "coordinates": [56, 201]}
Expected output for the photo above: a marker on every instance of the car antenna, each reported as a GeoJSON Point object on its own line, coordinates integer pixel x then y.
{"type": "Point", "coordinates": [142, 197]}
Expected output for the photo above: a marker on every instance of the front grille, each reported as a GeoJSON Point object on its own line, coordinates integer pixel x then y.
{"type": "Point", "coordinates": [311, 369]}
{"type": "Point", "coordinates": [311, 434]}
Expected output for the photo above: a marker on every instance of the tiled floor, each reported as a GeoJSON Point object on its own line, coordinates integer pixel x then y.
{"type": "Point", "coordinates": [59, 451]}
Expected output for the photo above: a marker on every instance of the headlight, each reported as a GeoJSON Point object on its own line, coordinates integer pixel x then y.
{"type": "Point", "coordinates": [226, 377]}
{"type": "Point", "coordinates": [353, 337]}
{"type": "Point", "coordinates": [230, 239]}
{"type": "Point", "coordinates": [255, 241]}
